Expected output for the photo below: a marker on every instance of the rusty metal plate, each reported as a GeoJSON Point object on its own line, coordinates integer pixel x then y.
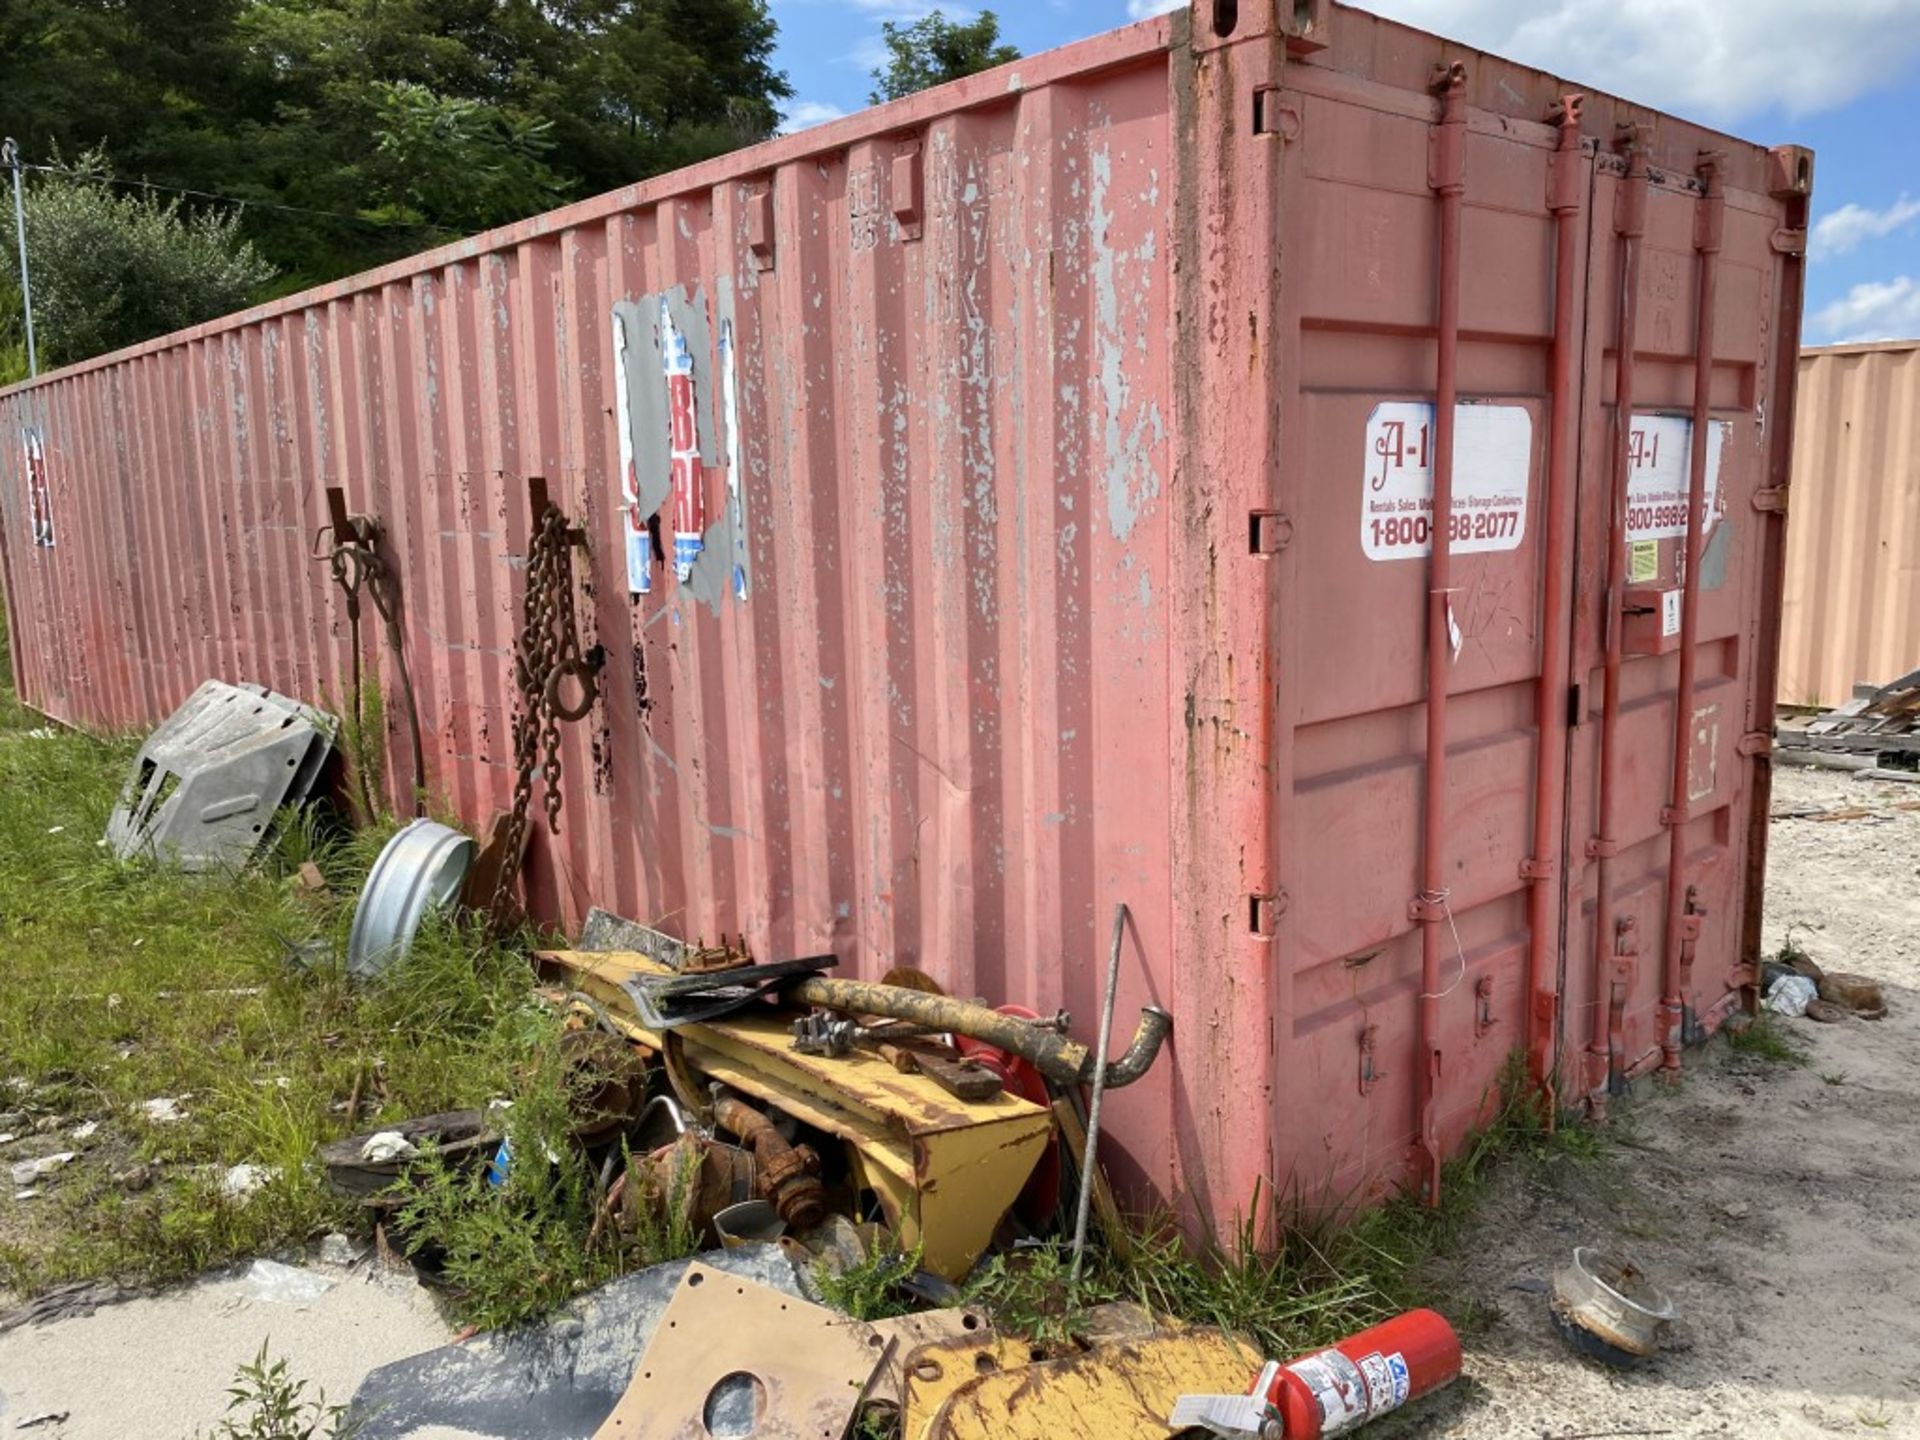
{"type": "Point", "coordinates": [799, 1370]}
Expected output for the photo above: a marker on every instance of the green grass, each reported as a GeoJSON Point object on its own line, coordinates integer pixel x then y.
{"type": "Point", "coordinates": [130, 982]}
{"type": "Point", "coordinates": [1288, 1283]}
{"type": "Point", "coordinates": [1765, 1038]}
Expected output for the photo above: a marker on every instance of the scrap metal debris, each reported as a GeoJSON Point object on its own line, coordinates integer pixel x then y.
{"type": "Point", "coordinates": [421, 869]}
{"type": "Point", "coordinates": [208, 787]}
{"type": "Point", "coordinates": [730, 1351]}
{"type": "Point", "coordinates": [1881, 721]}
{"type": "Point", "coordinates": [1607, 1308]}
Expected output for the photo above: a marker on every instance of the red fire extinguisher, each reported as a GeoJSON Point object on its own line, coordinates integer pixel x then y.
{"type": "Point", "coordinates": [1336, 1390]}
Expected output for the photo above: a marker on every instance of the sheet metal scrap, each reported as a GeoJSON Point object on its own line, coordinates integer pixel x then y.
{"type": "Point", "coordinates": [945, 1170]}
{"type": "Point", "coordinates": [734, 1357]}
{"type": "Point", "coordinates": [209, 784]}
{"type": "Point", "coordinates": [1879, 720]}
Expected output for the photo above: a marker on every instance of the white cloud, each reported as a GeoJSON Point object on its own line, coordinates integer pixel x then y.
{"type": "Point", "coordinates": [1874, 310]}
{"type": "Point", "coordinates": [1843, 230]}
{"type": "Point", "coordinates": [802, 114]}
{"type": "Point", "coordinates": [1141, 9]}
{"type": "Point", "coordinates": [1721, 60]}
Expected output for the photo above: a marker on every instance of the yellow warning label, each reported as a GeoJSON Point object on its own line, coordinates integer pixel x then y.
{"type": "Point", "coordinates": [1643, 561]}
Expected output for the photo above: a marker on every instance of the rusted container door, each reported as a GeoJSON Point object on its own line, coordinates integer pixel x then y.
{"type": "Point", "coordinates": [1639, 983]}
{"type": "Point", "coordinates": [1360, 271]}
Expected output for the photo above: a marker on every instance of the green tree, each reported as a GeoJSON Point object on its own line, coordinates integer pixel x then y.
{"type": "Point", "coordinates": [112, 268]}
{"type": "Point", "coordinates": [402, 123]}
{"type": "Point", "coordinates": [935, 49]}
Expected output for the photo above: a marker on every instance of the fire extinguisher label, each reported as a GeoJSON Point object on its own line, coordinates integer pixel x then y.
{"type": "Point", "coordinates": [1387, 1382]}
{"type": "Point", "coordinates": [1338, 1388]}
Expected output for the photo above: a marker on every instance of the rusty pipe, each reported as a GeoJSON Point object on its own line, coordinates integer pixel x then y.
{"type": "Point", "coordinates": [1061, 1060]}
{"type": "Point", "coordinates": [787, 1176]}
{"type": "Point", "coordinates": [1709, 223]}
{"type": "Point", "coordinates": [1430, 907]}
{"type": "Point", "coordinates": [1629, 223]}
{"type": "Point", "coordinates": [1566, 198]}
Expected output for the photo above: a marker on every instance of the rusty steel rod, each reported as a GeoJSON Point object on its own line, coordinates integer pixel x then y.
{"type": "Point", "coordinates": [1566, 199]}
{"type": "Point", "coordinates": [1088, 1161]}
{"type": "Point", "coordinates": [1430, 907]}
{"type": "Point", "coordinates": [1709, 223]}
{"type": "Point", "coordinates": [1629, 223]}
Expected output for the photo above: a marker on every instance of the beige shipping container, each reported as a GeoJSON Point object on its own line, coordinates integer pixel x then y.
{"type": "Point", "coordinates": [1852, 609]}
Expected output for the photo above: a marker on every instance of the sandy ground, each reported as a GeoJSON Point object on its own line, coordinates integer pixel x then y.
{"type": "Point", "coordinates": [1777, 1204]}
{"type": "Point", "coordinates": [159, 1367]}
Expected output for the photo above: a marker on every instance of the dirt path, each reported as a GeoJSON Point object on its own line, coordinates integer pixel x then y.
{"type": "Point", "coordinates": [1779, 1205]}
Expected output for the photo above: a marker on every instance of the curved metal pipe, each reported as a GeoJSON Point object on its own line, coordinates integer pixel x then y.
{"type": "Point", "coordinates": [1061, 1060]}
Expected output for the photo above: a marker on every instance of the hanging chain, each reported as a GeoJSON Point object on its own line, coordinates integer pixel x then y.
{"type": "Point", "coordinates": [354, 557]}
{"type": "Point", "coordinates": [547, 656]}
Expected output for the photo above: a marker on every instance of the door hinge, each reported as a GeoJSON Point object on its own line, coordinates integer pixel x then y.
{"type": "Point", "coordinates": [1771, 499]}
{"type": "Point", "coordinates": [1755, 742]}
{"type": "Point", "coordinates": [1264, 912]}
{"type": "Point", "coordinates": [1787, 240]}
{"type": "Point", "coordinates": [1268, 532]}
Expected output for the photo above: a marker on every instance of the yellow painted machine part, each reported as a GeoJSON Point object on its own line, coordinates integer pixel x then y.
{"type": "Point", "coordinates": [945, 1170]}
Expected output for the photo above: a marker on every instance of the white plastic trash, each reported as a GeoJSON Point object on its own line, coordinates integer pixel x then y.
{"type": "Point", "coordinates": [1791, 994]}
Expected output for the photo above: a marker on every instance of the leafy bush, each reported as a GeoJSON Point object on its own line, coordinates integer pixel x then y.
{"type": "Point", "coordinates": [112, 268]}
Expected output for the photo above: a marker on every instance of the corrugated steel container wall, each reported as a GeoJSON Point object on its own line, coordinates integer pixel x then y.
{"type": "Point", "coordinates": [1046, 417]}
{"type": "Point", "coordinates": [1852, 608]}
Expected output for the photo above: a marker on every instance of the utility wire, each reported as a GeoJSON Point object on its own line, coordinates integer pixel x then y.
{"type": "Point", "coordinates": [236, 200]}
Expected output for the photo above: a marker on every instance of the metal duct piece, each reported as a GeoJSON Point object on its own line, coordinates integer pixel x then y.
{"type": "Point", "coordinates": [208, 786]}
{"type": "Point", "coordinates": [421, 869]}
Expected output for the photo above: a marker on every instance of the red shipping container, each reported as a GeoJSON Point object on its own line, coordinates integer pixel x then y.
{"type": "Point", "coordinates": [1054, 530]}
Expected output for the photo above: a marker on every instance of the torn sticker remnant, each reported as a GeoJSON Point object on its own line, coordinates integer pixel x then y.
{"type": "Point", "coordinates": [689, 475]}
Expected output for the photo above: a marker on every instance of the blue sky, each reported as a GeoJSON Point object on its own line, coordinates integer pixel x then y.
{"type": "Point", "coordinates": [1847, 83]}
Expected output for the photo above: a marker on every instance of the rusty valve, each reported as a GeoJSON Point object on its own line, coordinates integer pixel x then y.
{"type": "Point", "coordinates": [788, 1175]}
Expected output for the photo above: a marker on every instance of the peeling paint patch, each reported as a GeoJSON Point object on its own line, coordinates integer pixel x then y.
{"type": "Point", "coordinates": [1131, 481]}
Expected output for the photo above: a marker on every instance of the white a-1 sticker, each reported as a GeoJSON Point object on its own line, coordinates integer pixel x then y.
{"type": "Point", "coordinates": [1492, 463]}
{"type": "Point", "coordinates": [1659, 471]}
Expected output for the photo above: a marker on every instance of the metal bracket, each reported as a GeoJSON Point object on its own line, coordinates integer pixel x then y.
{"type": "Point", "coordinates": [908, 188]}
{"type": "Point", "coordinates": [1630, 206]}
{"type": "Point", "coordinates": [1789, 241]}
{"type": "Point", "coordinates": [1268, 532]}
{"type": "Point", "coordinates": [760, 226]}
{"type": "Point", "coordinates": [1710, 220]}
{"type": "Point", "coordinates": [1531, 869]}
{"type": "Point", "coordinates": [1264, 912]}
{"type": "Point", "coordinates": [1626, 938]}
{"type": "Point", "coordinates": [1671, 816]}
{"type": "Point", "coordinates": [1601, 848]}
{"type": "Point", "coordinates": [1275, 116]}
{"type": "Point", "coordinates": [1754, 742]}
{"type": "Point", "coordinates": [1771, 499]}
{"type": "Point", "coordinates": [1566, 170]}
{"type": "Point", "coordinates": [1483, 1020]}
{"type": "Point", "coordinates": [1425, 911]}
{"type": "Point", "coordinates": [1789, 172]}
